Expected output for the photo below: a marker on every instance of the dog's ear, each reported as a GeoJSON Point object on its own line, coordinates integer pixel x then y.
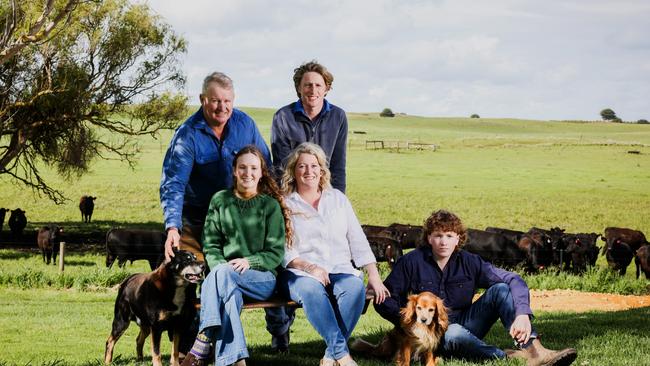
{"type": "Point", "coordinates": [442, 318]}
{"type": "Point", "coordinates": [408, 312]}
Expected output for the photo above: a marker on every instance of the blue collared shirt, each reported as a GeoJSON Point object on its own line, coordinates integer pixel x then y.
{"type": "Point", "coordinates": [465, 272]}
{"type": "Point", "coordinates": [197, 164]}
{"type": "Point", "coordinates": [291, 126]}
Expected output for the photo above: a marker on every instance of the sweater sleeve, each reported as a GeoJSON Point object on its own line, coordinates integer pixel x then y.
{"type": "Point", "coordinates": [213, 238]}
{"type": "Point", "coordinates": [273, 239]}
{"type": "Point", "coordinates": [280, 147]}
{"type": "Point", "coordinates": [337, 162]}
{"type": "Point", "coordinates": [518, 287]}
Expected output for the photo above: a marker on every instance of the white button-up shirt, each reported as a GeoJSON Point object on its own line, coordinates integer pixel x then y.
{"type": "Point", "coordinates": [330, 237]}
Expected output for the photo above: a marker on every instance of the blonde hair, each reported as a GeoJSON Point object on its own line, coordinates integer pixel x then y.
{"type": "Point", "coordinates": [289, 177]}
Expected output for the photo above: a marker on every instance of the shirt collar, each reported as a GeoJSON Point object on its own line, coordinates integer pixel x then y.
{"type": "Point", "coordinates": [201, 124]}
{"type": "Point", "coordinates": [298, 107]}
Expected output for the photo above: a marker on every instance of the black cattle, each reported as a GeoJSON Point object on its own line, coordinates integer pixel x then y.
{"type": "Point", "coordinates": [642, 261]}
{"type": "Point", "coordinates": [87, 206]}
{"type": "Point", "coordinates": [634, 238]}
{"type": "Point", "coordinates": [621, 245]}
{"type": "Point", "coordinates": [408, 236]}
{"type": "Point", "coordinates": [375, 230]}
{"type": "Point", "coordinates": [495, 248]}
{"type": "Point", "coordinates": [581, 251]}
{"type": "Point", "coordinates": [49, 241]}
{"type": "Point", "coordinates": [385, 249]}
{"type": "Point", "coordinates": [619, 256]}
{"type": "Point", "coordinates": [131, 245]}
{"type": "Point", "coordinates": [17, 222]}
{"type": "Point", "coordinates": [512, 235]}
{"type": "Point", "coordinates": [3, 212]}
{"type": "Point", "coordinates": [553, 245]}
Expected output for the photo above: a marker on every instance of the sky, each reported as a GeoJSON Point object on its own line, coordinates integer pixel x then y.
{"type": "Point", "coordinates": [531, 59]}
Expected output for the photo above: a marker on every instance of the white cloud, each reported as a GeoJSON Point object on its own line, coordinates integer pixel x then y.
{"type": "Point", "coordinates": [528, 59]}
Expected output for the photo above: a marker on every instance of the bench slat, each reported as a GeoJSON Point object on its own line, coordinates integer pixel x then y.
{"type": "Point", "coordinates": [275, 302]}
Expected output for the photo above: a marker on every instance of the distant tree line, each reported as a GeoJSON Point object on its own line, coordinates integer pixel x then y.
{"type": "Point", "coordinates": [608, 114]}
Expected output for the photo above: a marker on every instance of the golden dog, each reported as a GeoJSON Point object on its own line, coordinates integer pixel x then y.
{"type": "Point", "coordinates": [423, 324]}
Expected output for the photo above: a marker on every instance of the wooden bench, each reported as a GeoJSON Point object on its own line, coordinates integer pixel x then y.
{"type": "Point", "coordinates": [276, 301]}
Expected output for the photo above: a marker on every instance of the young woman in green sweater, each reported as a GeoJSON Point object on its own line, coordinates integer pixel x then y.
{"type": "Point", "coordinates": [244, 238]}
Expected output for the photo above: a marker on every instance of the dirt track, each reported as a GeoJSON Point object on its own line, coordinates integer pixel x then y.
{"type": "Point", "coordinates": [576, 301]}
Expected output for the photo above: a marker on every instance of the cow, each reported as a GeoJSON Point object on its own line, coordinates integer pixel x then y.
{"type": "Point", "coordinates": [554, 245]}
{"type": "Point", "coordinates": [17, 222]}
{"type": "Point", "coordinates": [634, 238]}
{"type": "Point", "coordinates": [375, 230]}
{"type": "Point", "coordinates": [408, 236]}
{"type": "Point", "coordinates": [3, 213]}
{"type": "Point", "coordinates": [538, 248]}
{"type": "Point", "coordinates": [512, 235]}
{"type": "Point", "coordinates": [581, 251]}
{"type": "Point", "coordinates": [385, 249]}
{"type": "Point", "coordinates": [135, 244]}
{"type": "Point", "coordinates": [642, 261]}
{"type": "Point", "coordinates": [87, 206]}
{"type": "Point", "coordinates": [623, 244]}
{"type": "Point", "coordinates": [49, 241]}
{"type": "Point", "coordinates": [619, 256]}
{"type": "Point", "coordinates": [495, 248]}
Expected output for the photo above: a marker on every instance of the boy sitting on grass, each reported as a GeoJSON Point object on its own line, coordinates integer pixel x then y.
{"type": "Point", "coordinates": [439, 265]}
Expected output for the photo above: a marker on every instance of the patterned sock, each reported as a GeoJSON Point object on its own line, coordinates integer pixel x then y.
{"type": "Point", "coordinates": [201, 347]}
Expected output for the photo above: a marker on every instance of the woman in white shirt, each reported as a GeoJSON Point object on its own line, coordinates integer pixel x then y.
{"type": "Point", "coordinates": [328, 244]}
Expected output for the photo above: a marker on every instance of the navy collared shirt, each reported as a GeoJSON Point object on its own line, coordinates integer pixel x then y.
{"type": "Point", "coordinates": [198, 164]}
{"type": "Point", "coordinates": [291, 126]}
{"type": "Point", "coordinates": [465, 272]}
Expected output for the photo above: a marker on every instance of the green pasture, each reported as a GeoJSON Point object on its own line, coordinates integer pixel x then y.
{"type": "Point", "coordinates": [492, 172]}
{"type": "Point", "coordinates": [52, 318]}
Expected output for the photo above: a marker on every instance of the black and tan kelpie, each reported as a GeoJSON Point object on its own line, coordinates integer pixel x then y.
{"type": "Point", "coordinates": [157, 301]}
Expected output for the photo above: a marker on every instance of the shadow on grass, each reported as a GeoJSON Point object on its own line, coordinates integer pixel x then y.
{"type": "Point", "coordinates": [590, 333]}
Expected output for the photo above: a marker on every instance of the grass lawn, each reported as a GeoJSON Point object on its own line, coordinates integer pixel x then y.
{"type": "Point", "coordinates": [49, 327]}
{"type": "Point", "coordinates": [492, 172]}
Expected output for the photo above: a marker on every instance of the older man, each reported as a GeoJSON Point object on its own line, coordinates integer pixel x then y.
{"type": "Point", "coordinates": [198, 162]}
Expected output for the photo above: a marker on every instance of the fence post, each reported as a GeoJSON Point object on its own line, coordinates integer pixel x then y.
{"type": "Point", "coordinates": [61, 255]}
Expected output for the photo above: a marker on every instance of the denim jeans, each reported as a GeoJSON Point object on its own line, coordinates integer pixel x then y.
{"type": "Point", "coordinates": [222, 296]}
{"type": "Point", "coordinates": [464, 338]}
{"type": "Point", "coordinates": [332, 310]}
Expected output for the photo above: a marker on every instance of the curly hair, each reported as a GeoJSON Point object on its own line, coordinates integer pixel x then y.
{"type": "Point", "coordinates": [312, 66]}
{"type": "Point", "coordinates": [289, 175]}
{"type": "Point", "coordinates": [268, 186]}
{"type": "Point", "coordinates": [442, 221]}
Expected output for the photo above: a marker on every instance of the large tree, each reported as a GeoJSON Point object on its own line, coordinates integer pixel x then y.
{"type": "Point", "coordinates": [82, 79]}
{"type": "Point", "coordinates": [608, 114]}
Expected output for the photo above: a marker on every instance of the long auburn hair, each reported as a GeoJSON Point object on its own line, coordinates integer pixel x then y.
{"type": "Point", "coordinates": [268, 186]}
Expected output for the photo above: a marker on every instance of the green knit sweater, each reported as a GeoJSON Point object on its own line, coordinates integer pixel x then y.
{"type": "Point", "coordinates": [251, 229]}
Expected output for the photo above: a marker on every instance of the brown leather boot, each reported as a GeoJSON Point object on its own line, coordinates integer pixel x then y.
{"type": "Point", "coordinates": [537, 355]}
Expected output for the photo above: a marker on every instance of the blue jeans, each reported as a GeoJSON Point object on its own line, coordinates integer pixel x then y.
{"type": "Point", "coordinates": [464, 338]}
{"type": "Point", "coordinates": [333, 310]}
{"type": "Point", "coordinates": [222, 295]}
